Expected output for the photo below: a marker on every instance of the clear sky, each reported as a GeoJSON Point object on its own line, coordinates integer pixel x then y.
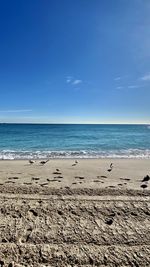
{"type": "Point", "coordinates": [75, 61]}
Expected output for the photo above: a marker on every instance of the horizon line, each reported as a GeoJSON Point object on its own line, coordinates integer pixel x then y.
{"type": "Point", "coordinates": [78, 123]}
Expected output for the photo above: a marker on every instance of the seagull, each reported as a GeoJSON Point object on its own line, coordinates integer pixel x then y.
{"type": "Point", "coordinates": [31, 161]}
{"type": "Point", "coordinates": [146, 178]}
{"type": "Point", "coordinates": [43, 162]}
{"type": "Point", "coordinates": [111, 165]}
{"type": "Point", "coordinates": [57, 170]}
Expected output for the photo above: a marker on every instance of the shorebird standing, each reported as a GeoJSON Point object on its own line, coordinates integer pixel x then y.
{"type": "Point", "coordinates": [31, 161]}
{"type": "Point", "coordinates": [43, 162]}
{"type": "Point", "coordinates": [110, 167]}
{"type": "Point", "coordinates": [146, 178]}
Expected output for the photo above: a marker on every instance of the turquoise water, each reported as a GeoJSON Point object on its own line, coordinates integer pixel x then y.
{"type": "Point", "coordinates": [18, 141]}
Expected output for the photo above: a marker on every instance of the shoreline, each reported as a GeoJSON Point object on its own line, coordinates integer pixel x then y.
{"type": "Point", "coordinates": [80, 158]}
{"type": "Point", "coordinates": [77, 158]}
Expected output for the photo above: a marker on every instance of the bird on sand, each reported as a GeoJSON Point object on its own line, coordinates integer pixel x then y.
{"type": "Point", "coordinates": [146, 178]}
{"type": "Point", "coordinates": [110, 167]}
{"type": "Point", "coordinates": [43, 162]}
{"type": "Point", "coordinates": [76, 162]}
{"type": "Point", "coordinates": [31, 161]}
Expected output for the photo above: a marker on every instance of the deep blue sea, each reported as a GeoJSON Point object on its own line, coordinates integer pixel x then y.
{"type": "Point", "coordinates": [21, 141]}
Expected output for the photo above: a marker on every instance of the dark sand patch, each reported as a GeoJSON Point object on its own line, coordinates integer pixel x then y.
{"type": "Point", "coordinates": [14, 177]}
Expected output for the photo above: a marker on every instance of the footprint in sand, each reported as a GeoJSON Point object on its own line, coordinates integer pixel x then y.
{"type": "Point", "coordinates": [79, 177]}
{"type": "Point", "coordinates": [43, 184]}
{"type": "Point", "coordinates": [125, 179]}
{"type": "Point", "coordinates": [120, 184]}
{"type": "Point", "coordinates": [35, 178]}
{"type": "Point", "coordinates": [26, 183]}
{"type": "Point", "coordinates": [102, 176]}
{"type": "Point", "coordinates": [59, 177]}
{"type": "Point", "coordinates": [57, 173]}
{"type": "Point", "coordinates": [40, 201]}
{"type": "Point", "coordinates": [33, 212]}
{"type": "Point", "coordinates": [96, 181]}
{"type": "Point", "coordinates": [9, 182]}
{"type": "Point", "coordinates": [74, 183]}
{"type": "Point", "coordinates": [111, 186]}
{"type": "Point", "coordinates": [14, 177]}
{"type": "Point", "coordinates": [144, 186]}
{"type": "Point", "coordinates": [113, 214]}
{"type": "Point", "coordinates": [109, 221]}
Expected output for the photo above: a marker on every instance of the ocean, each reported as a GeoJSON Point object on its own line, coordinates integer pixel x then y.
{"type": "Point", "coordinates": [25, 141]}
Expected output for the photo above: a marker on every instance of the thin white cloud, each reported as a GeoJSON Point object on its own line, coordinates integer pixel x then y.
{"type": "Point", "coordinates": [76, 82]}
{"type": "Point", "coordinates": [146, 77]}
{"type": "Point", "coordinates": [15, 110]}
{"type": "Point", "coordinates": [129, 87]}
{"type": "Point", "coordinates": [117, 79]}
{"type": "Point", "coordinates": [133, 86]}
{"type": "Point", "coordinates": [71, 80]}
{"type": "Point", "coordinates": [119, 87]}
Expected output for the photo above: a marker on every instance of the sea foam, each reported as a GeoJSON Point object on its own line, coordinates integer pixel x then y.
{"type": "Point", "coordinates": [125, 153]}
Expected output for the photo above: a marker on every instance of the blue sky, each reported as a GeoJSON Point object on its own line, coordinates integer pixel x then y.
{"type": "Point", "coordinates": [75, 61]}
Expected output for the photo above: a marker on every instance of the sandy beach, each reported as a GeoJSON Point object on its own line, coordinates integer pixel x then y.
{"type": "Point", "coordinates": [86, 173]}
{"type": "Point", "coordinates": [68, 212]}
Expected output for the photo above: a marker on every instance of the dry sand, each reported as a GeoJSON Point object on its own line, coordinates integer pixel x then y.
{"type": "Point", "coordinates": [79, 215]}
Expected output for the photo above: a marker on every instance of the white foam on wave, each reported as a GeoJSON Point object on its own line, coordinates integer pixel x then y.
{"type": "Point", "coordinates": [124, 153]}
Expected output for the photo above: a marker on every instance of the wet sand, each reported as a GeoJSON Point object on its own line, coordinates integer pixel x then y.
{"type": "Point", "coordinates": [75, 214]}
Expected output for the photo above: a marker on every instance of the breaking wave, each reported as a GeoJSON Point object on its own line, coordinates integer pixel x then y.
{"type": "Point", "coordinates": [123, 153]}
